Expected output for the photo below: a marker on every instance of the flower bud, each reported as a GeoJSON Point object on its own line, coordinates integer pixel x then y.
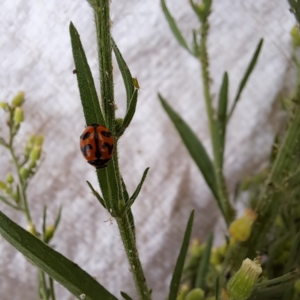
{"type": "Point", "coordinates": [241, 284]}
{"type": "Point", "coordinates": [18, 115]}
{"type": "Point", "coordinates": [215, 257]}
{"type": "Point", "coordinates": [222, 249]}
{"type": "Point", "coordinates": [195, 294]}
{"type": "Point", "coordinates": [35, 153]}
{"type": "Point", "coordinates": [39, 140]}
{"type": "Point", "coordinates": [16, 197]}
{"type": "Point", "coordinates": [18, 99]}
{"type": "Point", "coordinates": [196, 249]}
{"type": "Point", "coordinates": [24, 173]}
{"type": "Point", "coordinates": [31, 165]}
{"type": "Point", "coordinates": [240, 229]}
{"type": "Point", "coordinates": [3, 105]}
{"type": "Point", "coordinates": [49, 232]}
{"type": "Point", "coordinates": [9, 178]}
{"type": "Point", "coordinates": [2, 185]}
{"type": "Point", "coordinates": [31, 228]}
{"type": "Point", "coordinates": [295, 35]}
{"type": "Point", "coordinates": [182, 292]}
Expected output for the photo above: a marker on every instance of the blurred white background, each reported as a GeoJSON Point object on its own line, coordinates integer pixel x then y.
{"type": "Point", "coordinates": [36, 58]}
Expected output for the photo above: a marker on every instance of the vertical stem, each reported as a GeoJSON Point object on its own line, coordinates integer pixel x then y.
{"type": "Point", "coordinates": [227, 210]}
{"type": "Point", "coordinates": [110, 178]}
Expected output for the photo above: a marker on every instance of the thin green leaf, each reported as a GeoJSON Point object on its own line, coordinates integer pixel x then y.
{"type": "Point", "coordinates": [174, 286]}
{"type": "Point", "coordinates": [63, 270]}
{"type": "Point", "coordinates": [128, 210]}
{"type": "Point", "coordinates": [125, 296]}
{"type": "Point", "coordinates": [221, 119]}
{"type": "Point", "coordinates": [7, 202]}
{"type": "Point", "coordinates": [86, 85]}
{"type": "Point", "coordinates": [96, 194]}
{"type": "Point", "coordinates": [195, 148]}
{"type": "Point", "coordinates": [44, 221]}
{"type": "Point", "coordinates": [203, 266]}
{"type": "Point", "coordinates": [138, 189]}
{"type": "Point", "coordinates": [127, 78]}
{"type": "Point", "coordinates": [173, 26]}
{"type": "Point", "coordinates": [51, 288]}
{"type": "Point", "coordinates": [294, 254]}
{"type": "Point", "coordinates": [246, 76]}
{"type": "Point", "coordinates": [57, 220]}
{"type": "Point", "coordinates": [129, 114]}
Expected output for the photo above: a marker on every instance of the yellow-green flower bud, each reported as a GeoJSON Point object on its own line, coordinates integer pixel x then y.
{"type": "Point", "coordinates": [196, 249]}
{"type": "Point", "coordinates": [240, 229]}
{"type": "Point", "coordinates": [18, 99]}
{"type": "Point", "coordinates": [49, 232]}
{"type": "Point", "coordinates": [31, 228]}
{"type": "Point", "coordinates": [16, 197]}
{"type": "Point", "coordinates": [9, 178]}
{"type": "Point", "coordinates": [31, 165]}
{"type": "Point", "coordinates": [35, 153]}
{"type": "Point", "coordinates": [241, 284]}
{"type": "Point", "coordinates": [297, 286]}
{"type": "Point", "coordinates": [295, 35]}
{"type": "Point", "coordinates": [2, 185]}
{"type": "Point", "coordinates": [3, 105]}
{"type": "Point", "coordinates": [195, 294]}
{"type": "Point", "coordinates": [39, 140]}
{"type": "Point", "coordinates": [18, 115]}
{"type": "Point", "coordinates": [222, 249]}
{"type": "Point", "coordinates": [215, 258]}
{"type": "Point", "coordinates": [182, 292]}
{"type": "Point", "coordinates": [24, 173]}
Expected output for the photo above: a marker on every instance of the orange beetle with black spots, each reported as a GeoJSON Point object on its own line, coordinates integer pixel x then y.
{"type": "Point", "coordinates": [96, 145]}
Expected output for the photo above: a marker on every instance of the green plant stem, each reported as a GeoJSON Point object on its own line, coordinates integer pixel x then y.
{"type": "Point", "coordinates": [110, 178]}
{"type": "Point", "coordinates": [4, 200]}
{"type": "Point", "coordinates": [20, 180]}
{"type": "Point", "coordinates": [51, 285]}
{"type": "Point", "coordinates": [103, 23]}
{"type": "Point", "coordinates": [227, 210]}
{"type": "Point", "coordinates": [42, 286]}
{"type": "Point", "coordinates": [133, 256]}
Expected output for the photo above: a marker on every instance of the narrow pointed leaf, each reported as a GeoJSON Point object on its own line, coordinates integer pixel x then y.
{"type": "Point", "coordinates": [129, 114]}
{"type": "Point", "coordinates": [195, 148]}
{"type": "Point", "coordinates": [57, 219]}
{"type": "Point", "coordinates": [44, 221]}
{"type": "Point", "coordinates": [218, 293]}
{"type": "Point", "coordinates": [125, 296]}
{"type": "Point", "coordinates": [96, 194]}
{"type": "Point", "coordinates": [127, 78]}
{"type": "Point", "coordinates": [203, 266]}
{"type": "Point", "coordinates": [63, 270]}
{"type": "Point", "coordinates": [173, 26]}
{"type": "Point", "coordinates": [128, 209]}
{"type": "Point", "coordinates": [221, 120]}
{"type": "Point", "coordinates": [138, 189]}
{"type": "Point", "coordinates": [174, 286]}
{"type": "Point", "coordinates": [246, 76]}
{"type": "Point", "coordinates": [87, 90]}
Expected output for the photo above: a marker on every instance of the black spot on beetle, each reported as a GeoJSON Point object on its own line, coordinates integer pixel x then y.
{"type": "Point", "coordinates": [106, 134]}
{"type": "Point", "coordinates": [85, 136]}
{"type": "Point", "coordinates": [85, 148]}
{"type": "Point", "coordinates": [107, 145]}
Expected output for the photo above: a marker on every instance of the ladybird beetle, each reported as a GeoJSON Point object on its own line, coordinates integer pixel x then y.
{"type": "Point", "coordinates": [96, 145]}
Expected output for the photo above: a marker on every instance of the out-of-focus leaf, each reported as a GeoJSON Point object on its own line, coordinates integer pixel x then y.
{"type": "Point", "coordinates": [295, 9]}
{"type": "Point", "coordinates": [96, 194]}
{"type": "Point", "coordinates": [63, 270]}
{"type": "Point", "coordinates": [125, 296]}
{"type": "Point", "coordinates": [203, 266]}
{"type": "Point", "coordinates": [173, 26]}
{"type": "Point", "coordinates": [246, 76]}
{"type": "Point", "coordinates": [195, 148]}
{"type": "Point", "coordinates": [174, 286]}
